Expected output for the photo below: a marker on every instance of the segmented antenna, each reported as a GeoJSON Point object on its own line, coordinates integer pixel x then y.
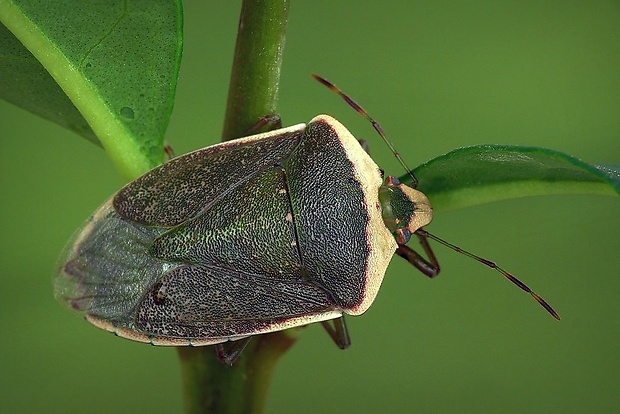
{"type": "Point", "coordinates": [374, 123]}
{"type": "Point", "coordinates": [492, 265]}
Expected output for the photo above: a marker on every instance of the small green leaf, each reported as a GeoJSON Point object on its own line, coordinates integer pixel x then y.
{"type": "Point", "coordinates": [484, 173]}
{"type": "Point", "coordinates": [116, 60]}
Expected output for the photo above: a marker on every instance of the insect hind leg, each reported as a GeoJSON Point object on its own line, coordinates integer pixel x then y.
{"type": "Point", "coordinates": [337, 330]}
{"type": "Point", "coordinates": [229, 352]}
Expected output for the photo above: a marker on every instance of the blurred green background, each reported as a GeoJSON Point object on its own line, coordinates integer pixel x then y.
{"type": "Point", "coordinates": [437, 75]}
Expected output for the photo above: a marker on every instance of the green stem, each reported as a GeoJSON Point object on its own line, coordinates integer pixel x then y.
{"type": "Point", "coordinates": [212, 387]}
{"type": "Point", "coordinates": [256, 67]}
{"type": "Point", "coordinates": [209, 386]}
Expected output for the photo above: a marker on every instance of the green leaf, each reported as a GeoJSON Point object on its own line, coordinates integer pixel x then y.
{"type": "Point", "coordinates": [484, 173]}
{"type": "Point", "coordinates": [116, 60]}
{"type": "Point", "coordinates": [25, 82]}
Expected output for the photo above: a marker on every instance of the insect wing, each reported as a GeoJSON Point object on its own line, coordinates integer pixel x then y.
{"type": "Point", "coordinates": [210, 305]}
{"type": "Point", "coordinates": [181, 188]}
{"type": "Point", "coordinates": [114, 273]}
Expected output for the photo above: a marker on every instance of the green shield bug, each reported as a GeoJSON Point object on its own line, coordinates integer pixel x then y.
{"type": "Point", "coordinates": [249, 236]}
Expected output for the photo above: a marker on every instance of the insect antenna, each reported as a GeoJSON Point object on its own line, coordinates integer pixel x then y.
{"type": "Point", "coordinates": [374, 123]}
{"type": "Point", "coordinates": [492, 265]}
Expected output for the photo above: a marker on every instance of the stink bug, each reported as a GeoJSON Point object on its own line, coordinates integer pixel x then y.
{"type": "Point", "coordinates": [246, 237]}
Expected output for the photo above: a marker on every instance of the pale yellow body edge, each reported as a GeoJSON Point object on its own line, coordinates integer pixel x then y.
{"type": "Point", "coordinates": [381, 242]}
{"type": "Point", "coordinates": [164, 341]}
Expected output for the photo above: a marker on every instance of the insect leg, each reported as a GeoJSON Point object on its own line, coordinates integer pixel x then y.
{"type": "Point", "coordinates": [169, 152]}
{"type": "Point", "coordinates": [271, 121]}
{"type": "Point", "coordinates": [364, 145]}
{"type": "Point", "coordinates": [429, 267]}
{"type": "Point", "coordinates": [338, 332]}
{"type": "Point", "coordinates": [229, 352]}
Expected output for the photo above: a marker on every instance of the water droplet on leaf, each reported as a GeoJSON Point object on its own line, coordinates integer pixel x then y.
{"type": "Point", "coordinates": [127, 112]}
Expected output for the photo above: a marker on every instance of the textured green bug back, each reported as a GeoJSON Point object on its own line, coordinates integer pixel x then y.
{"type": "Point", "coordinates": [241, 238]}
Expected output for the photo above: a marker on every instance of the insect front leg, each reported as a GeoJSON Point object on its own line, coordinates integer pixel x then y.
{"type": "Point", "coordinates": [429, 267]}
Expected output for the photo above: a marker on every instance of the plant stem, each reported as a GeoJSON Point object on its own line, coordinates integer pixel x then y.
{"type": "Point", "coordinates": [212, 387]}
{"type": "Point", "coordinates": [209, 386]}
{"type": "Point", "coordinates": [256, 67]}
